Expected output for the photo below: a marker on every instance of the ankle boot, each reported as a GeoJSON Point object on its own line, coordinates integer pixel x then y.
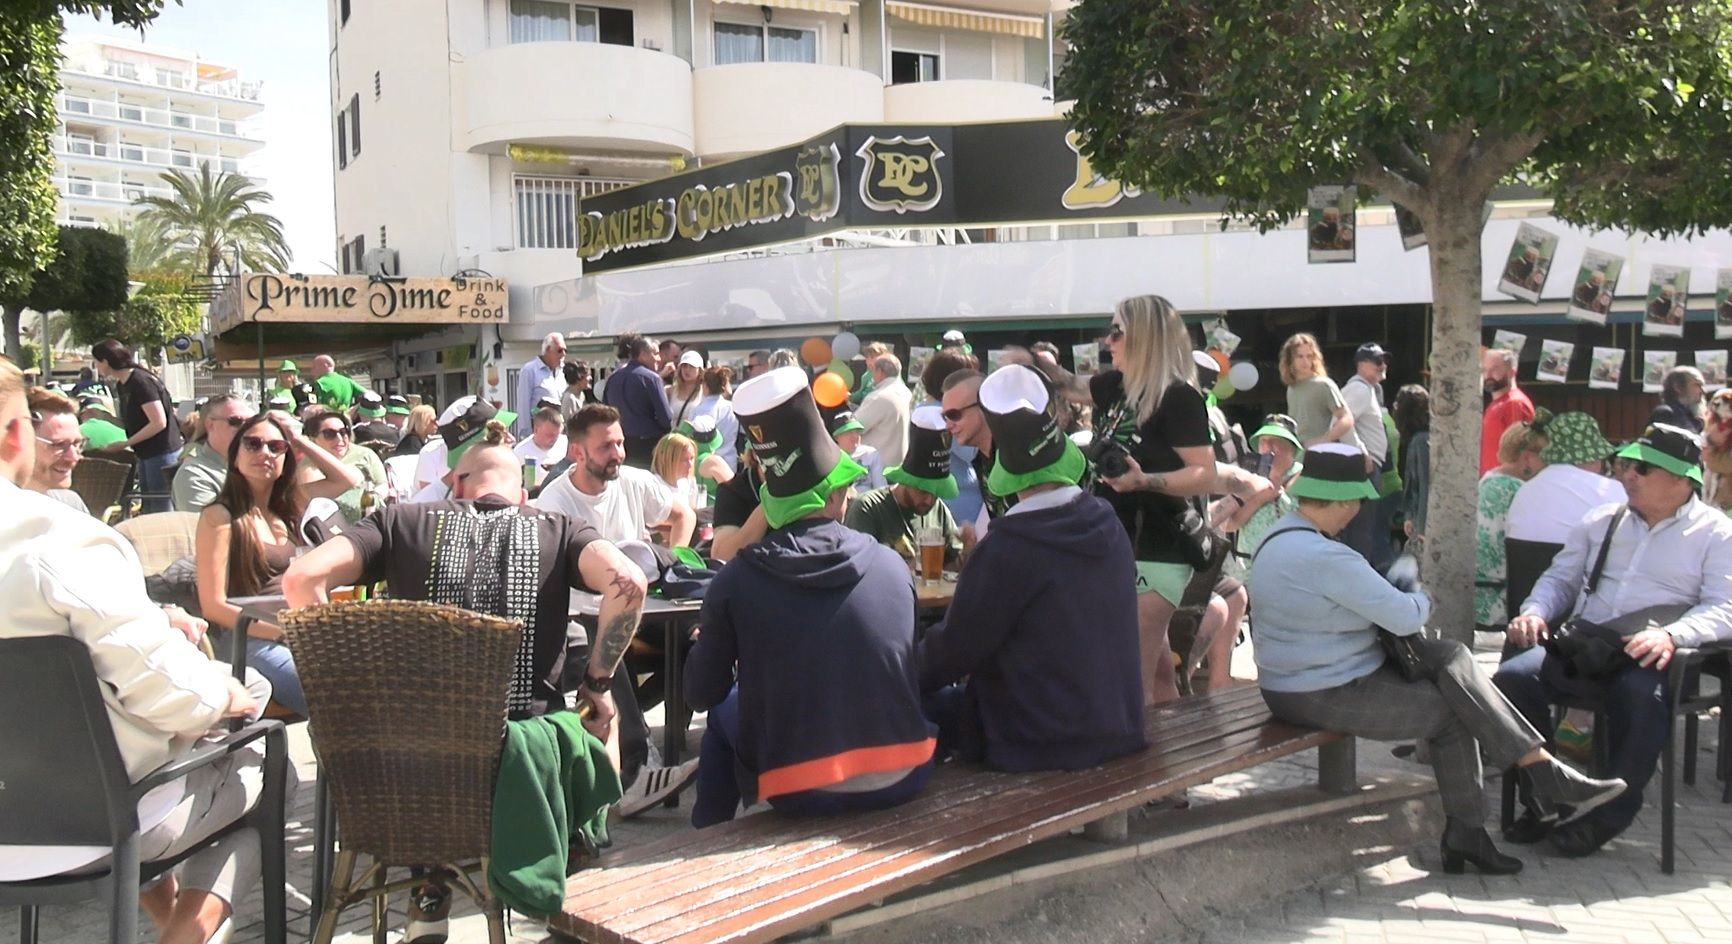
{"type": "Point", "coordinates": [1557, 784]}
{"type": "Point", "coordinates": [1463, 844]}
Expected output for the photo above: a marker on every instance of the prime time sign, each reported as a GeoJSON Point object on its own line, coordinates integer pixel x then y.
{"type": "Point", "coordinates": [358, 299]}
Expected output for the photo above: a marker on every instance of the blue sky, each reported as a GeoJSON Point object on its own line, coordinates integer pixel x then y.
{"type": "Point", "coordinates": [282, 43]}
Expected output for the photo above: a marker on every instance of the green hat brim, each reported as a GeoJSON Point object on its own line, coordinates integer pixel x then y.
{"type": "Point", "coordinates": [397, 410]}
{"type": "Point", "coordinates": [370, 414]}
{"type": "Point", "coordinates": [779, 512]}
{"type": "Point", "coordinates": [1671, 464]}
{"type": "Point", "coordinates": [1068, 470]}
{"type": "Point", "coordinates": [1327, 490]}
{"type": "Point", "coordinates": [1279, 432]}
{"type": "Point", "coordinates": [848, 427]}
{"type": "Point", "coordinates": [943, 488]}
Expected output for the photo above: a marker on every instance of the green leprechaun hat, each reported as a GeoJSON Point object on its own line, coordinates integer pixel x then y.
{"type": "Point", "coordinates": [802, 464]}
{"type": "Point", "coordinates": [1672, 448]}
{"type": "Point", "coordinates": [1334, 472]}
{"type": "Point", "coordinates": [1030, 448]}
{"type": "Point", "coordinates": [926, 465]}
{"type": "Point", "coordinates": [464, 422]}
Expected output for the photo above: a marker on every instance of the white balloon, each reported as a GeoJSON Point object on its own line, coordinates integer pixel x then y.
{"type": "Point", "coordinates": [846, 346]}
{"type": "Point", "coordinates": [1243, 375]}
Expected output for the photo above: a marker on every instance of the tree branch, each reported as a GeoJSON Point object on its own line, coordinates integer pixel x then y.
{"type": "Point", "coordinates": [1488, 163]}
{"type": "Point", "coordinates": [1372, 173]}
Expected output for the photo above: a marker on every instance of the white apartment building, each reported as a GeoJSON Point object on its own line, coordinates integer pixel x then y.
{"type": "Point", "coordinates": [466, 130]}
{"type": "Point", "coordinates": [129, 112]}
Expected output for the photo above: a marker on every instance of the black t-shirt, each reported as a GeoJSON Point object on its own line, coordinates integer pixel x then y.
{"type": "Point", "coordinates": [409, 445]}
{"type": "Point", "coordinates": [1181, 422]}
{"type": "Point", "coordinates": [737, 498]}
{"type": "Point", "coordinates": [490, 557]}
{"type": "Point", "coordinates": [140, 389]}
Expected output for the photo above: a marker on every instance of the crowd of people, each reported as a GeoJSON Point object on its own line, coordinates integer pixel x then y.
{"type": "Point", "coordinates": [1077, 514]}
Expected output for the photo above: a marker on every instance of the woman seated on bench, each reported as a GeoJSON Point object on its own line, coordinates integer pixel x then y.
{"type": "Point", "coordinates": [1319, 605]}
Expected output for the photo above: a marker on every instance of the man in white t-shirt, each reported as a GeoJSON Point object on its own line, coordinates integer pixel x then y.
{"type": "Point", "coordinates": [1554, 502]}
{"type": "Point", "coordinates": [623, 503]}
{"type": "Point", "coordinates": [546, 443]}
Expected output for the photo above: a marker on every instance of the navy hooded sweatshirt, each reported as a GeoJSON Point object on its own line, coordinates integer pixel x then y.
{"type": "Point", "coordinates": [1044, 627]}
{"type": "Point", "coordinates": [819, 620]}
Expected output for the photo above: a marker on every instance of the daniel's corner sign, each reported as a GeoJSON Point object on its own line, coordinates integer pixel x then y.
{"type": "Point", "coordinates": [862, 177]}
{"type": "Point", "coordinates": [272, 297]}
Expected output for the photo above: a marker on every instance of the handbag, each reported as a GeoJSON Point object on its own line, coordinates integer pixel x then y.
{"type": "Point", "coordinates": [1402, 653]}
{"type": "Point", "coordinates": [1589, 650]}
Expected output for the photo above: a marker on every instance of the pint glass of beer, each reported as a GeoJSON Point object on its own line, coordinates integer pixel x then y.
{"type": "Point", "coordinates": [931, 543]}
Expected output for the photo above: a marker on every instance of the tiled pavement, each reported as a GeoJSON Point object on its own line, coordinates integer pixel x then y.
{"type": "Point", "coordinates": [1617, 895]}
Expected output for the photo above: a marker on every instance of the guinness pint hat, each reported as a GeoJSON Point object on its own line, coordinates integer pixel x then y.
{"type": "Point", "coordinates": [1030, 448]}
{"type": "Point", "coordinates": [926, 465]}
{"type": "Point", "coordinates": [802, 464]}
{"type": "Point", "coordinates": [463, 422]}
{"type": "Point", "coordinates": [1672, 448]}
{"type": "Point", "coordinates": [1334, 472]}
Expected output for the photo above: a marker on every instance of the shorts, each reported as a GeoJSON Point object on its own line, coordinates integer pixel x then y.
{"type": "Point", "coordinates": [1167, 579]}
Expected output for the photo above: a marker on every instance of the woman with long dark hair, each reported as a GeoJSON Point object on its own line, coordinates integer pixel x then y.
{"type": "Point", "coordinates": [248, 536]}
{"type": "Point", "coordinates": [1412, 413]}
{"type": "Point", "coordinates": [147, 414]}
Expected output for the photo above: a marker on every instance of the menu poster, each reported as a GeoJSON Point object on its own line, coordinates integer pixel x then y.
{"type": "Point", "coordinates": [1555, 359]}
{"type": "Point", "coordinates": [1655, 366]}
{"type": "Point", "coordinates": [1607, 369]}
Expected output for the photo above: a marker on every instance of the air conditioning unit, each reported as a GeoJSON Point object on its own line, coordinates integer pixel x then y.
{"type": "Point", "coordinates": [381, 262]}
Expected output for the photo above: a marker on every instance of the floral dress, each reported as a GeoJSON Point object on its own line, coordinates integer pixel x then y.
{"type": "Point", "coordinates": [1491, 573]}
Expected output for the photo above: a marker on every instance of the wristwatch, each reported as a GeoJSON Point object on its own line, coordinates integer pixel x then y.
{"type": "Point", "coordinates": [600, 686]}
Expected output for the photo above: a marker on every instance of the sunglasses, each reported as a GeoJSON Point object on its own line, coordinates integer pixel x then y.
{"type": "Point", "coordinates": [1639, 466]}
{"type": "Point", "coordinates": [275, 447]}
{"type": "Point", "coordinates": [1116, 333]}
{"type": "Point", "coordinates": [956, 415]}
{"type": "Point", "coordinates": [334, 432]}
{"type": "Point", "coordinates": [235, 422]}
{"type": "Point", "coordinates": [70, 445]}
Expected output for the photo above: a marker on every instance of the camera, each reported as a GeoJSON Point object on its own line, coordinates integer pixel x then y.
{"type": "Point", "coordinates": [1109, 458]}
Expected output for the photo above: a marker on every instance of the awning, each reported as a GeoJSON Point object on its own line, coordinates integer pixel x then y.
{"type": "Point", "coordinates": [1007, 24]}
{"type": "Point", "coordinates": [840, 7]}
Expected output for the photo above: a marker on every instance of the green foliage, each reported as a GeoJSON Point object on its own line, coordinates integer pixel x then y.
{"type": "Point", "coordinates": [88, 273]}
{"type": "Point", "coordinates": [211, 216]}
{"type": "Point", "coordinates": [146, 250]}
{"type": "Point", "coordinates": [29, 77]}
{"type": "Point", "coordinates": [29, 355]}
{"type": "Point", "coordinates": [122, 12]}
{"type": "Point", "coordinates": [1612, 108]}
{"type": "Point", "coordinates": [144, 321]}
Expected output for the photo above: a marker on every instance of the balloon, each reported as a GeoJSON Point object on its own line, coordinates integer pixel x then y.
{"type": "Point", "coordinates": [815, 351]}
{"type": "Point", "coordinates": [829, 390]}
{"type": "Point", "coordinates": [845, 346]}
{"type": "Point", "coordinates": [1243, 375]}
{"type": "Point", "coordinates": [1223, 388]}
{"type": "Point", "coordinates": [840, 368]}
{"type": "Point", "coordinates": [1220, 361]}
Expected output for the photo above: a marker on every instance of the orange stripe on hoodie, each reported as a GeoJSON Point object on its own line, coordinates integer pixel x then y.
{"type": "Point", "coordinates": [835, 768]}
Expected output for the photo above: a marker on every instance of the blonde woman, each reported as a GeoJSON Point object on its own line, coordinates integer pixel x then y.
{"type": "Point", "coordinates": [1313, 400]}
{"type": "Point", "coordinates": [675, 463]}
{"type": "Point", "coordinates": [416, 430]}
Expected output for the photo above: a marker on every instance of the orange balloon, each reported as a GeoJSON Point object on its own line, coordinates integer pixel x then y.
{"type": "Point", "coordinates": [816, 352]}
{"type": "Point", "coordinates": [829, 390]}
{"type": "Point", "coordinates": [1221, 361]}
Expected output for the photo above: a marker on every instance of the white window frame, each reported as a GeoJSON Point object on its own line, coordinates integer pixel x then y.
{"type": "Point", "coordinates": [574, 6]}
{"type": "Point", "coordinates": [178, 157]}
{"type": "Point", "coordinates": [80, 143]}
{"type": "Point", "coordinates": [131, 152]}
{"type": "Point", "coordinates": [801, 24]}
{"type": "Point", "coordinates": [923, 52]}
{"type": "Point", "coordinates": [919, 48]}
{"type": "Point", "coordinates": [121, 109]}
{"type": "Point", "coordinates": [579, 188]}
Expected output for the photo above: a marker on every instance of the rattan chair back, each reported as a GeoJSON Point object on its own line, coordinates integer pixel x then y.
{"type": "Point", "coordinates": [406, 702]}
{"type": "Point", "coordinates": [161, 538]}
{"type": "Point", "coordinates": [102, 480]}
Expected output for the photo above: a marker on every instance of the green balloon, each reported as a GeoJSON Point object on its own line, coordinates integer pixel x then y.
{"type": "Point", "coordinates": [1223, 388]}
{"type": "Point", "coordinates": [841, 369]}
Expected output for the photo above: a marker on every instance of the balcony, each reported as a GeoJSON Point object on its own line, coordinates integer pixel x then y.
{"type": "Point", "coordinates": [734, 113]}
{"type": "Point", "coordinates": [955, 100]}
{"type": "Point", "coordinates": [171, 79]}
{"type": "Point", "coordinates": [573, 95]}
{"type": "Point", "coordinates": [79, 188]}
{"type": "Point", "coordinates": [74, 106]}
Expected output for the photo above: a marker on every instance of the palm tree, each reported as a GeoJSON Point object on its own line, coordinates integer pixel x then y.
{"type": "Point", "coordinates": [146, 247]}
{"type": "Point", "coordinates": [213, 217]}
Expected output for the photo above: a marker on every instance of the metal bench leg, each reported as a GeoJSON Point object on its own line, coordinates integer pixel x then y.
{"type": "Point", "coordinates": [1337, 766]}
{"type": "Point", "coordinates": [1113, 829]}
{"type": "Point", "coordinates": [1668, 797]}
{"type": "Point", "coordinates": [1690, 749]}
{"type": "Point", "coordinates": [1507, 815]}
{"type": "Point", "coordinates": [324, 844]}
{"type": "Point", "coordinates": [27, 921]}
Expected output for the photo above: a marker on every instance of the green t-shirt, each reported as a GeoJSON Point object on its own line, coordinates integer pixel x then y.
{"type": "Point", "coordinates": [101, 432]}
{"type": "Point", "coordinates": [1312, 404]}
{"type": "Point", "coordinates": [337, 391]}
{"type": "Point", "coordinates": [876, 513]}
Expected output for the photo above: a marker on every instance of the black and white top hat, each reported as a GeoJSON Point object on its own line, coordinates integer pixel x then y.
{"type": "Point", "coordinates": [802, 464]}
{"type": "Point", "coordinates": [1030, 449]}
{"type": "Point", "coordinates": [926, 465]}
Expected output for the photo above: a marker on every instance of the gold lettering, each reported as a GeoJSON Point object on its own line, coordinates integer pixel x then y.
{"type": "Point", "coordinates": [755, 199]}
{"type": "Point", "coordinates": [737, 204]}
{"type": "Point", "coordinates": [901, 171]}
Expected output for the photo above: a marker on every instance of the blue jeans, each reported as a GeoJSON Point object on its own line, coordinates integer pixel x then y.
{"type": "Point", "coordinates": [271, 659]}
{"type": "Point", "coordinates": [1637, 716]}
{"type": "Point", "coordinates": [153, 484]}
{"type": "Point", "coordinates": [718, 790]}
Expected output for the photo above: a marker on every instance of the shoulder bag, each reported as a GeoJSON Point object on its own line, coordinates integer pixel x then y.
{"type": "Point", "coordinates": [1589, 650]}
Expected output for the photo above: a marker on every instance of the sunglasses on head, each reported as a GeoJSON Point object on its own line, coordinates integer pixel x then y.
{"type": "Point", "coordinates": [955, 415]}
{"type": "Point", "coordinates": [275, 447]}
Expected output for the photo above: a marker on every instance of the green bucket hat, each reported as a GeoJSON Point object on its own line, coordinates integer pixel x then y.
{"type": "Point", "coordinates": [926, 465]}
{"type": "Point", "coordinates": [1334, 472]}
{"type": "Point", "coordinates": [1676, 450]}
{"type": "Point", "coordinates": [802, 464]}
{"type": "Point", "coordinates": [1573, 438]}
{"type": "Point", "coordinates": [1029, 448]}
{"type": "Point", "coordinates": [1279, 426]}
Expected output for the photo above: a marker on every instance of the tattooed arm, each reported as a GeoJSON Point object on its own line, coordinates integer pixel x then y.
{"type": "Point", "coordinates": [603, 569]}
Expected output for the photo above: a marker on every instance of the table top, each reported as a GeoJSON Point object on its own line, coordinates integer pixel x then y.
{"type": "Point", "coordinates": [584, 603]}
{"type": "Point", "coordinates": [263, 608]}
{"type": "Point", "coordinates": [935, 596]}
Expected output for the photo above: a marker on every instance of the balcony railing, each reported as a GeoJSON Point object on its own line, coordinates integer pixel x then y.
{"type": "Point", "coordinates": [75, 105]}
{"type": "Point", "coordinates": [172, 79]}
{"type": "Point", "coordinates": [139, 154]}
{"type": "Point", "coordinates": [82, 188]}
{"type": "Point", "coordinates": [546, 208]}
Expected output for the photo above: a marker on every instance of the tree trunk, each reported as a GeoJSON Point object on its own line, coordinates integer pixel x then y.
{"type": "Point", "coordinates": [14, 346]}
{"type": "Point", "coordinates": [1453, 232]}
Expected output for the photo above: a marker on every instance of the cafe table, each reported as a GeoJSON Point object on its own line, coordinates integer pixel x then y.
{"type": "Point", "coordinates": [676, 619]}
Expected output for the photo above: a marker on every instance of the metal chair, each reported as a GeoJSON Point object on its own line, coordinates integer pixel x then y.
{"type": "Point", "coordinates": [408, 705]}
{"type": "Point", "coordinates": [65, 784]}
{"type": "Point", "coordinates": [104, 482]}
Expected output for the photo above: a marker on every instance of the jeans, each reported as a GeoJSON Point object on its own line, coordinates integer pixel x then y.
{"type": "Point", "coordinates": [153, 484]}
{"type": "Point", "coordinates": [271, 659]}
{"type": "Point", "coordinates": [1637, 717]}
{"type": "Point", "coordinates": [718, 790]}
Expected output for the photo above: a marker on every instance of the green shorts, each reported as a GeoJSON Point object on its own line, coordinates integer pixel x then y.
{"type": "Point", "coordinates": [1168, 580]}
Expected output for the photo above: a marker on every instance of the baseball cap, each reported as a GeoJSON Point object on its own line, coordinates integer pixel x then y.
{"type": "Point", "coordinates": [1370, 351]}
{"type": "Point", "coordinates": [693, 358]}
{"type": "Point", "coordinates": [1672, 448]}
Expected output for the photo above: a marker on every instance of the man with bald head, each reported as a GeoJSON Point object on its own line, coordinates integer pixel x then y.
{"type": "Point", "coordinates": [335, 390]}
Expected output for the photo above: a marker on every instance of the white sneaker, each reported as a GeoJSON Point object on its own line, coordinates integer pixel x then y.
{"type": "Point", "coordinates": [429, 914]}
{"type": "Point", "coordinates": [653, 785]}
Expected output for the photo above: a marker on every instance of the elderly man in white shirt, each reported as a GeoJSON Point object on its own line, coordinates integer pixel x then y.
{"type": "Point", "coordinates": [541, 376]}
{"type": "Point", "coordinates": [66, 574]}
{"type": "Point", "coordinates": [884, 411]}
{"type": "Point", "coordinates": [1667, 582]}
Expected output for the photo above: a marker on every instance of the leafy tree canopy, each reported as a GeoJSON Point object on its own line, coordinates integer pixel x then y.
{"type": "Point", "coordinates": [88, 273]}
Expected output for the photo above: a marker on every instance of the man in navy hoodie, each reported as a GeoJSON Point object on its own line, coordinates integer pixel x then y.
{"type": "Point", "coordinates": [1044, 623]}
{"type": "Point", "coordinates": [816, 623]}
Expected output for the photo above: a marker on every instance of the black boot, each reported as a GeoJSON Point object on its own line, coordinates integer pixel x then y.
{"type": "Point", "coordinates": [1557, 784]}
{"type": "Point", "coordinates": [1463, 844]}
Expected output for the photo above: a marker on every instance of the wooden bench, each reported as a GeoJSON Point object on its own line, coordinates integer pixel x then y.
{"type": "Point", "coordinates": [768, 875]}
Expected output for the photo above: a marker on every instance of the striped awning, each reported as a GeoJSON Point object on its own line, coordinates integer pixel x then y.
{"type": "Point", "coordinates": [926, 14]}
{"type": "Point", "coordinates": [842, 7]}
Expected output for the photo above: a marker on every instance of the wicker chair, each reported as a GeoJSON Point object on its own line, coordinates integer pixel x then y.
{"type": "Point", "coordinates": [162, 538]}
{"type": "Point", "coordinates": [103, 481]}
{"type": "Point", "coordinates": [408, 745]}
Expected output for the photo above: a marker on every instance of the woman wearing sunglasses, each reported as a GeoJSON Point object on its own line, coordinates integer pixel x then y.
{"type": "Point", "coordinates": [248, 536]}
{"type": "Point", "coordinates": [331, 430]}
